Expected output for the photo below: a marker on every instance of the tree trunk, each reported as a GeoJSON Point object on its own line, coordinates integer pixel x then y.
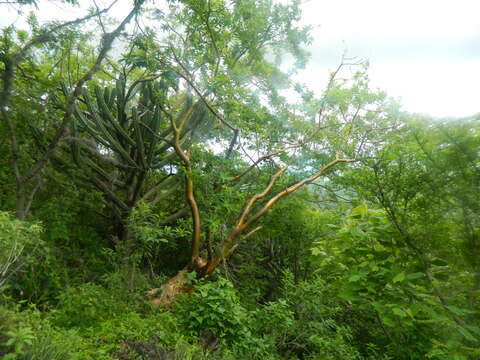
{"type": "Point", "coordinates": [20, 206]}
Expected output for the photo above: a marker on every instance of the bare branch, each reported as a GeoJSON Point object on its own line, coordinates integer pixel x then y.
{"type": "Point", "coordinates": [202, 97]}
{"type": "Point", "coordinates": [232, 144]}
{"type": "Point", "coordinates": [259, 160]}
{"type": "Point", "coordinates": [183, 212]}
{"type": "Point", "coordinates": [297, 186]}
{"type": "Point", "coordinates": [333, 78]}
{"type": "Point", "coordinates": [250, 233]}
{"type": "Point", "coordinates": [256, 197]}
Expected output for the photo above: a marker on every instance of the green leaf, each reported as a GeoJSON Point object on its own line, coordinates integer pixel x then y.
{"type": "Point", "coordinates": [466, 334]}
{"type": "Point", "coordinates": [388, 321]}
{"type": "Point", "coordinates": [10, 356]}
{"type": "Point", "coordinates": [357, 232]}
{"type": "Point", "coordinates": [348, 295]}
{"type": "Point", "coordinates": [354, 278]}
{"type": "Point", "coordinates": [399, 312]}
{"type": "Point", "coordinates": [439, 262]}
{"type": "Point", "coordinates": [360, 210]}
{"type": "Point", "coordinates": [414, 276]}
{"type": "Point", "coordinates": [399, 277]}
{"type": "Point", "coordinates": [409, 312]}
{"type": "Point", "coordinates": [378, 248]}
{"type": "Point", "coordinates": [458, 311]}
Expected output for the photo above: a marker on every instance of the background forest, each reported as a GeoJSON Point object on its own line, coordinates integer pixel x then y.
{"type": "Point", "coordinates": [167, 191]}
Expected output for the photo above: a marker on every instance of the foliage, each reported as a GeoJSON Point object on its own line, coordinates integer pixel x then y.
{"type": "Point", "coordinates": [373, 270]}
{"type": "Point", "coordinates": [83, 306]}
{"type": "Point", "coordinates": [303, 322]}
{"type": "Point", "coordinates": [72, 248]}
{"type": "Point", "coordinates": [19, 242]}
{"type": "Point", "coordinates": [152, 239]}
{"type": "Point", "coordinates": [317, 226]}
{"type": "Point", "coordinates": [214, 306]}
{"type": "Point", "coordinates": [278, 247]}
{"type": "Point", "coordinates": [27, 336]}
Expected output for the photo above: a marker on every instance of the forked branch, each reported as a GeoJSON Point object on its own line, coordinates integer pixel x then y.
{"type": "Point", "coordinates": [245, 220]}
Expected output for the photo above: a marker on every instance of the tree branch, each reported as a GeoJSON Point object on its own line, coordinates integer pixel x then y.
{"type": "Point", "coordinates": [295, 187]}
{"type": "Point", "coordinates": [177, 127]}
{"type": "Point", "coordinates": [107, 42]}
{"type": "Point", "coordinates": [259, 160]}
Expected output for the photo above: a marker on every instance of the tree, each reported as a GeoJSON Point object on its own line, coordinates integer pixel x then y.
{"type": "Point", "coordinates": [107, 155]}
{"type": "Point", "coordinates": [319, 148]}
{"type": "Point", "coordinates": [423, 183]}
{"type": "Point", "coordinates": [133, 133]}
{"type": "Point", "coordinates": [28, 177]}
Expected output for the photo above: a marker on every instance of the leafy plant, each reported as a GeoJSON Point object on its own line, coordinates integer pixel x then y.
{"type": "Point", "coordinates": [86, 305]}
{"type": "Point", "coordinates": [27, 335]}
{"type": "Point", "coordinates": [374, 270]}
{"type": "Point", "coordinates": [18, 242]}
{"type": "Point", "coordinates": [214, 306]}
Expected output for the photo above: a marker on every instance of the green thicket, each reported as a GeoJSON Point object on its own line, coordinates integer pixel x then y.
{"type": "Point", "coordinates": [164, 154]}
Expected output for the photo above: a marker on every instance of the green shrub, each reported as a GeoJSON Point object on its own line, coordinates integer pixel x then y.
{"type": "Point", "coordinates": [18, 242]}
{"type": "Point", "coordinates": [302, 323]}
{"type": "Point", "coordinates": [86, 305]}
{"type": "Point", "coordinates": [27, 335]}
{"type": "Point", "coordinates": [213, 306]}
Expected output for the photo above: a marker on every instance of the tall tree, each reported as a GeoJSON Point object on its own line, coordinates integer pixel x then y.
{"type": "Point", "coordinates": [28, 177]}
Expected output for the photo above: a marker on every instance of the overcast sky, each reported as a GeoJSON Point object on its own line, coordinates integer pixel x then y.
{"type": "Point", "coordinates": [426, 52]}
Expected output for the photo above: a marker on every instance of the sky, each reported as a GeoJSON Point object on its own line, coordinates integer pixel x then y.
{"type": "Point", "coordinates": [424, 52]}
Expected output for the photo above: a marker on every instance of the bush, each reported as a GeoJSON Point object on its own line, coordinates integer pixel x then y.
{"type": "Point", "coordinates": [27, 336]}
{"type": "Point", "coordinates": [213, 306]}
{"type": "Point", "coordinates": [302, 323]}
{"type": "Point", "coordinates": [86, 305]}
{"type": "Point", "coordinates": [18, 242]}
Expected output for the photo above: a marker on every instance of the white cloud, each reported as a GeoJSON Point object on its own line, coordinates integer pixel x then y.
{"type": "Point", "coordinates": [394, 18]}
{"type": "Point", "coordinates": [426, 52]}
{"type": "Point", "coordinates": [443, 88]}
